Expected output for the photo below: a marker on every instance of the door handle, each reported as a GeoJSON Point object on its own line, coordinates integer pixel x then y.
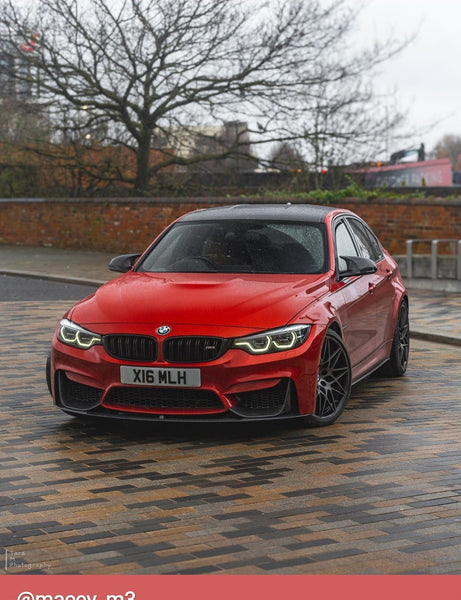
{"type": "Point", "coordinates": [371, 288]}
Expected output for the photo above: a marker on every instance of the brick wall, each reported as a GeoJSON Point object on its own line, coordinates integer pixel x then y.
{"type": "Point", "coordinates": [128, 225]}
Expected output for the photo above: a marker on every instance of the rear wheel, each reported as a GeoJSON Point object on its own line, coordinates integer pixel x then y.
{"type": "Point", "coordinates": [333, 381]}
{"type": "Point", "coordinates": [398, 360]}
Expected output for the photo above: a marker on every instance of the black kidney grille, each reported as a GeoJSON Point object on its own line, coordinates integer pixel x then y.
{"type": "Point", "coordinates": [156, 399]}
{"type": "Point", "coordinates": [193, 349]}
{"type": "Point", "coordinates": [131, 347]}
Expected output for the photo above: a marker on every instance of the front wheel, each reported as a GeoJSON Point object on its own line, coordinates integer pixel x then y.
{"type": "Point", "coordinates": [333, 381]}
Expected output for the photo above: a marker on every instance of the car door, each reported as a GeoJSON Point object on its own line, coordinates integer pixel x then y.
{"type": "Point", "coordinates": [380, 284]}
{"type": "Point", "coordinates": [358, 314]}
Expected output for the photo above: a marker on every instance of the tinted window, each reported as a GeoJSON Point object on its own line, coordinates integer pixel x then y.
{"type": "Point", "coordinates": [367, 242]}
{"type": "Point", "coordinates": [344, 245]}
{"type": "Point", "coordinates": [240, 247]}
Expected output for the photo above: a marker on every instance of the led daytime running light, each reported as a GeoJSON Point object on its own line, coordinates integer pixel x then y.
{"type": "Point", "coordinates": [277, 340]}
{"type": "Point", "coordinates": [287, 345]}
{"type": "Point", "coordinates": [74, 335]}
{"type": "Point", "coordinates": [247, 345]}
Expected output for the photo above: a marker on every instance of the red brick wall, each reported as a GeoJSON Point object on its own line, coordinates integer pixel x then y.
{"type": "Point", "coordinates": [397, 220]}
{"type": "Point", "coordinates": [128, 225]}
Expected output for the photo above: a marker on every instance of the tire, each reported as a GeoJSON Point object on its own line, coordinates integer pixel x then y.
{"type": "Point", "coordinates": [398, 359]}
{"type": "Point", "coordinates": [333, 382]}
{"type": "Point", "coordinates": [48, 373]}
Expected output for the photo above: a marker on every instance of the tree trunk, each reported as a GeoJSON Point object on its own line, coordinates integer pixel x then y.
{"type": "Point", "coordinates": [142, 165]}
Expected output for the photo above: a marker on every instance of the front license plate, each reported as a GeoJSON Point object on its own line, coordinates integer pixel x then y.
{"type": "Point", "coordinates": [160, 377]}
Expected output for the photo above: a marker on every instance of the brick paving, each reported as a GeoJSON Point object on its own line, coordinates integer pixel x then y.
{"type": "Point", "coordinates": [436, 312]}
{"type": "Point", "coordinates": [378, 492]}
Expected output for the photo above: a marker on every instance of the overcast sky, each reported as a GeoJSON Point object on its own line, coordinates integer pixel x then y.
{"type": "Point", "coordinates": [427, 75]}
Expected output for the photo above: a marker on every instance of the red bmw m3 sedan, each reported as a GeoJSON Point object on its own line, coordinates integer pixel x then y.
{"type": "Point", "coordinates": [236, 313]}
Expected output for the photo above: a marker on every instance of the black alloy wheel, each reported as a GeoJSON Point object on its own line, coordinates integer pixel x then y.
{"type": "Point", "coordinates": [398, 360]}
{"type": "Point", "coordinates": [333, 382]}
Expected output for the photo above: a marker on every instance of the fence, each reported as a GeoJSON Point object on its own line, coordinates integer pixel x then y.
{"type": "Point", "coordinates": [436, 265]}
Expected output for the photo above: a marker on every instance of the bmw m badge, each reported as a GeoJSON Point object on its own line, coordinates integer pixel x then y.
{"type": "Point", "coordinates": [163, 329]}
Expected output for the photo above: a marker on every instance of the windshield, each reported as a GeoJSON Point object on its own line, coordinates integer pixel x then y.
{"type": "Point", "coordinates": [239, 247]}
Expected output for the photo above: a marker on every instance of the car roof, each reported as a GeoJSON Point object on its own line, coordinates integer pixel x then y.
{"type": "Point", "coordinates": [266, 212]}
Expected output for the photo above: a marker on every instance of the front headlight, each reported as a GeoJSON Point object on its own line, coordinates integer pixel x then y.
{"type": "Point", "coordinates": [276, 340]}
{"type": "Point", "coordinates": [73, 335]}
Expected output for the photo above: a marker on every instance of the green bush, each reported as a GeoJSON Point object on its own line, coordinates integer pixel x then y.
{"type": "Point", "coordinates": [17, 182]}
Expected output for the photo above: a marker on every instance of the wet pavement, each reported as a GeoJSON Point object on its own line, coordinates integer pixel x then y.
{"type": "Point", "coordinates": [377, 492]}
{"type": "Point", "coordinates": [436, 316]}
{"type": "Point", "coordinates": [65, 264]}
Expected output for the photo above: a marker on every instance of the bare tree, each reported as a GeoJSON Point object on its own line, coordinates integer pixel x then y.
{"type": "Point", "coordinates": [286, 157]}
{"type": "Point", "coordinates": [139, 69]}
{"type": "Point", "coordinates": [450, 147]}
{"type": "Point", "coordinates": [22, 122]}
{"type": "Point", "coordinates": [346, 123]}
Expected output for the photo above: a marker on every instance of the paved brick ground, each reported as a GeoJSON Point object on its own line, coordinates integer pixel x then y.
{"type": "Point", "coordinates": [436, 312]}
{"type": "Point", "coordinates": [378, 492]}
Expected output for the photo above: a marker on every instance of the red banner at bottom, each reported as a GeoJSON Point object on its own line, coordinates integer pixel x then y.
{"type": "Point", "coordinates": [224, 587]}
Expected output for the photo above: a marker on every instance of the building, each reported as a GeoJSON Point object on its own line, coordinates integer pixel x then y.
{"type": "Point", "coordinates": [228, 146]}
{"type": "Point", "coordinates": [16, 81]}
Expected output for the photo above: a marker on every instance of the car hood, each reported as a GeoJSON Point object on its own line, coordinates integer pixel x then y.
{"type": "Point", "coordinates": [254, 302]}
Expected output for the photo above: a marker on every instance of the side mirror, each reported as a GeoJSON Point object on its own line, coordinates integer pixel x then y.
{"type": "Point", "coordinates": [123, 263]}
{"type": "Point", "coordinates": [357, 265]}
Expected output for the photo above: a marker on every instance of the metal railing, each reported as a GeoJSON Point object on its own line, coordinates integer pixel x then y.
{"type": "Point", "coordinates": [455, 253]}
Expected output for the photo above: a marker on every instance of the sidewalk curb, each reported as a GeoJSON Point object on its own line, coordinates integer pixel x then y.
{"type": "Point", "coordinates": [48, 277]}
{"type": "Point", "coordinates": [438, 338]}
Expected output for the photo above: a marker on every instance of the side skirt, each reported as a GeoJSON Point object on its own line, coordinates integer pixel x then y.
{"type": "Point", "coordinates": [370, 371]}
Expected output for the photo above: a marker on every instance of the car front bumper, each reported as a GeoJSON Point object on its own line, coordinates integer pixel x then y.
{"type": "Point", "coordinates": [237, 386]}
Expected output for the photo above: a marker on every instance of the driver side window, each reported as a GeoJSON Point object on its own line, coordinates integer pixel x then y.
{"type": "Point", "coordinates": [344, 245]}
